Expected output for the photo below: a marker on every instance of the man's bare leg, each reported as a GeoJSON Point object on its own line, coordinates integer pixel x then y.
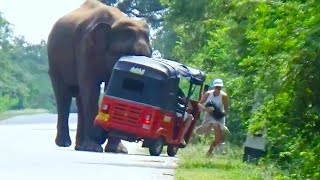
{"type": "Point", "coordinates": [218, 138]}
{"type": "Point", "coordinates": [186, 127]}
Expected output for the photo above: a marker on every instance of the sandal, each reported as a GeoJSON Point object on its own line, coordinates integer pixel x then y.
{"type": "Point", "coordinates": [183, 143]}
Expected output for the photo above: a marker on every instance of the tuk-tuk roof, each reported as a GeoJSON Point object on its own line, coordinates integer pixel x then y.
{"type": "Point", "coordinates": [172, 69]}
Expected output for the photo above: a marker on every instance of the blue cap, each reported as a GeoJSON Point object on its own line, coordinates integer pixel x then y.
{"type": "Point", "coordinates": [217, 82]}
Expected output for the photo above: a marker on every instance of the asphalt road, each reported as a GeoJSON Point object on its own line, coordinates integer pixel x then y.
{"type": "Point", "coordinates": [28, 152]}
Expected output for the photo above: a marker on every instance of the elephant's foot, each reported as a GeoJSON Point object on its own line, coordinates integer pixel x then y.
{"type": "Point", "coordinates": [63, 140]}
{"type": "Point", "coordinates": [89, 145]}
{"type": "Point", "coordinates": [114, 145]}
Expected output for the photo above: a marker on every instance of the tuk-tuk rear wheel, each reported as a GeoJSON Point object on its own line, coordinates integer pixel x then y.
{"type": "Point", "coordinates": [172, 150]}
{"type": "Point", "coordinates": [156, 147]}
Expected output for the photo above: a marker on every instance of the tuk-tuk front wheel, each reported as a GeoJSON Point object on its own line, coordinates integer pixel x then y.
{"type": "Point", "coordinates": [172, 150]}
{"type": "Point", "coordinates": [156, 147]}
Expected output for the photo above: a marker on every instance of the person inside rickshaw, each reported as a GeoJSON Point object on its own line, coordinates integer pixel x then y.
{"type": "Point", "coordinates": [186, 112]}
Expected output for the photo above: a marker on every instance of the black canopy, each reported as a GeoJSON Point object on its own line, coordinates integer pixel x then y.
{"type": "Point", "coordinates": [168, 68]}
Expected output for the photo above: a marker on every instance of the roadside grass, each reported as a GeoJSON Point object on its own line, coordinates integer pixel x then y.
{"type": "Point", "coordinates": [194, 164]}
{"type": "Point", "coordinates": [12, 113]}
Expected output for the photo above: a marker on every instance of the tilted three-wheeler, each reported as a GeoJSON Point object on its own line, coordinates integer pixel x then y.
{"type": "Point", "coordinates": [141, 104]}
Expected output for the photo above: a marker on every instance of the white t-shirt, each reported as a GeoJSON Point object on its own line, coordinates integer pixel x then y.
{"type": "Point", "coordinates": [218, 101]}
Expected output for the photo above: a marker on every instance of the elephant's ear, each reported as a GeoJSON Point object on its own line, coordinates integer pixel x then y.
{"type": "Point", "coordinates": [100, 37]}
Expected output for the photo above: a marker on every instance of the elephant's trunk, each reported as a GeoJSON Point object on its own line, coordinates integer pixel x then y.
{"type": "Point", "coordinates": [142, 48]}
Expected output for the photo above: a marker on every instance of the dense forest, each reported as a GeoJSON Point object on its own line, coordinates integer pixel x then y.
{"type": "Point", "coordinates": [24, 81]}
{"type": "Point", "coordinates": [267, 52]}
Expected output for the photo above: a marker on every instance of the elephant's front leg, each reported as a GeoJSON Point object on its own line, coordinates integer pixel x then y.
{"type": "Point", "coordinates": [89, 93]}
{"type": "Point", "coordinates": [63, 99]}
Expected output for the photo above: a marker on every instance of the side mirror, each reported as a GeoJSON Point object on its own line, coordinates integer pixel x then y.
{"type": "Point", "coordinates": [206, 88]}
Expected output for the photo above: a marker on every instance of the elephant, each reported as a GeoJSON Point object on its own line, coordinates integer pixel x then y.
{"type": "Point", "coordinates": [83, 46]}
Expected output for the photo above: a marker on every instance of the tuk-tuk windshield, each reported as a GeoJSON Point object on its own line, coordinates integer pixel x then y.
{"type": "Point", "coordinates": [184, 84]}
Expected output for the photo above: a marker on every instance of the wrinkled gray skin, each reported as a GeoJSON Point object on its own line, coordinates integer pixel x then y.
{"type": "Point", "coordinates": [83, 47]}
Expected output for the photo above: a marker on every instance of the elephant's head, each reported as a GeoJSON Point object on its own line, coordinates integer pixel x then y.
{"type": "Point", "coordinates": [124, 37]}
{"type": "Point", "coordinates": [131, 37]}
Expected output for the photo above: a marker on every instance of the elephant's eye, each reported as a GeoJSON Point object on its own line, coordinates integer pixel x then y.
{"type": "Point", "coordinates": [125, 34]}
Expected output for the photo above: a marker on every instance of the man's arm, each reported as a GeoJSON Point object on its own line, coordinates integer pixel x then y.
{"type": "Point", "coordinates": [225, 102]}
{"type": "Point", "coordinates": [203, 100]}
{"type": "Point", "coordinates": [189, 108]}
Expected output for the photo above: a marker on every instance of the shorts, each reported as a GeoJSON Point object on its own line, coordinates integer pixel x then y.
{"type": "Point", "coordinates": [206, 127]}
{"type": "Point", "coordinates": [208, 119]}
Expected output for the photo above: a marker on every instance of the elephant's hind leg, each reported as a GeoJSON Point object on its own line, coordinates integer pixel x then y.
{"type": "Point", "coordinates": [63, 96]}
{"type": "Point", "coordinates": [114, 145]}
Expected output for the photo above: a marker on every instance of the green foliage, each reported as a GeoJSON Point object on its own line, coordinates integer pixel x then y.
{"type": "Point", "coordinates": [281, 38]}
{"type": "Point", "coordinates": [267, 52]}
{"type": "Point", "coordinates": [194, 164]}
{"type": "Point", "coordinates": [24, 81]}
{"type": "Point", "coordinates": [6, 102]}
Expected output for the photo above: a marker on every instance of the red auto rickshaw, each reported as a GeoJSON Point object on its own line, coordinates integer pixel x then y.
{"type": "Point", "coordinates": [141, 103]}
